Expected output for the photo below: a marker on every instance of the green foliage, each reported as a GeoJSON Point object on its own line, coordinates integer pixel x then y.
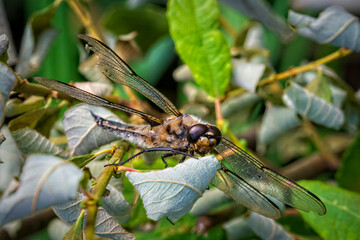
{"type": "Point", "coordinates": [342, 212]}
{"type": "Point", "coordinates": [194, 28]}
{"type": "Point", "coordinates": [149, 21]}
{"type": "Point", "coordinates": [348, 175]}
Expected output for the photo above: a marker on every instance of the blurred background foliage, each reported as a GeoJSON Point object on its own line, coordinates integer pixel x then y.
{"type": "Point", "coordinates": [43, 42]}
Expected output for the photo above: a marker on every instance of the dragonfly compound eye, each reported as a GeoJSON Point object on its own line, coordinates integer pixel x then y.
{"type": "Point", "coordinates": [214, 134]}
{"type": "Point", "coordinates": [196, 131]}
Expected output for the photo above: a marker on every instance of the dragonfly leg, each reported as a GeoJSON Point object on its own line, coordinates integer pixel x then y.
{"type": "Point", "coordinates": [165, 156]}
{"type": "Point", "coordinates": [172, 150]}
{"type": "Point", "coordinates": [182, 159]}
{"type": "Point", "coordinates": [184, 156]}
{"type": "Point", "coordinates": [170, 221]}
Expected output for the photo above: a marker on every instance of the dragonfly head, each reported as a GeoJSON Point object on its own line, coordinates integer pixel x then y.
{"type": "Point", "coordinates": [204, 136]}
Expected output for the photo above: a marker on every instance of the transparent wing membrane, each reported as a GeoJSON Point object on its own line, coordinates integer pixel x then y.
{"type": "Point", "coordinates": [245, 194]}
{"type": "Point", "coordinates": [118, 71]}
{"type": "Point", "coordinates": [90, 98]}
{"type": "Point", "coordinates": [263, 179]}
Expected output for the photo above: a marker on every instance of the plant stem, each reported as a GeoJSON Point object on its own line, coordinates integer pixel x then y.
{"type": "Point", "coordinates": [219, 116]}
{"type": "Point", "coordinates": [342, 52]}
{"type": "Point", "coordinates": [99, 189]}
{"type": "Point", "coordinates": [85, 18]}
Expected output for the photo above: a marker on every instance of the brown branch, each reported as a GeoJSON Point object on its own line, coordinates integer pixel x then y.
{"type": "Point", "coordinates": [342, 52]}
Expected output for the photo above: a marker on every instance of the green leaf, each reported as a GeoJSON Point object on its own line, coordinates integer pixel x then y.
{"type": "Point", "coordinates": [342, 211]}
{"type": "Point", "coordinates": [82, 160]}
{"type": "Point", "coordinates": [16, 107]}
{"type": "Point", "coordinates": [75, 230]}
{"type": "Point", "coordinates": [194, 28]}
{"type": "Point", "coordinates": [348, 174]}
{"type": "Point", "coordinates": [312, 107]}
{"type": "Point", "coordinates": [45, 124]}
{"type": "Point", "coordinates": [27, 120]}
{"type": "Point", "coordinates": [320, 87]}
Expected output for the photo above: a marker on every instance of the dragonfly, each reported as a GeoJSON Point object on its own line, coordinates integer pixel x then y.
{"type": "Point", "coordinates": [241, 176]}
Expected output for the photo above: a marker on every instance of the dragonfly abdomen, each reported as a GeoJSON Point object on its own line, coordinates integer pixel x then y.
{"type": "Point", "coordinates": [134, 134]}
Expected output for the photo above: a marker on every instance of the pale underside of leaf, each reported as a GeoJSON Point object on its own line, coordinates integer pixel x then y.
{"type": "Point", "coordinates": [172, 192]}
{"type": "Point", "coordinates": [334, 25]}
{"type": "Point", "coordinates": [7, 82]}
{"type": "Point", "coordinates": [30, 141]}
{"type": "Point", "coordinates": [277, 120]}
{"type": "Point", "coordinates": [312, 107]}
{"type": "Point", "coordinates": [114, 209]}
{"type": "Point", "coordinates": [39, 187]}
{"type": "Point", "coordinates": [82, 132]}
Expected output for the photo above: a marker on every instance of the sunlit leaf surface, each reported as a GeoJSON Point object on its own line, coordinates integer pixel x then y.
{"type": "Point", "coordinates": [334, 25]}
{"type": "Point", "coordinates": [312, 107]}
{"type": "Point", "coordinates": [173, 191]}
{"type": "Point", "coordinates": [45, 181]}
{"type": "Point", "coordinates": [342, 211]}
{"type": "Point", "coordinates": [194, 28]}
{"type": "Point", "coordinates": [82, 132]}
{"type": "Point", "coordinates": [30, 141]}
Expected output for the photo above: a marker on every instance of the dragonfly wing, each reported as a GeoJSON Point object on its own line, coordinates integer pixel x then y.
{"type": "Point", "coordinates": [245, 194]}
{"type": "Point", "coordinates": [118, 71]}
{"type": "Point", "coordinates": [267, 181]}
{"type": "Point", "coordinates": [90, 98]}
